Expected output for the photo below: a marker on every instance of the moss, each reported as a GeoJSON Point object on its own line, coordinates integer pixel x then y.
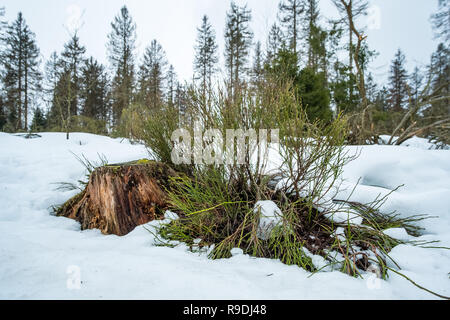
{"type": "Point", "coordinates": [143, 161]}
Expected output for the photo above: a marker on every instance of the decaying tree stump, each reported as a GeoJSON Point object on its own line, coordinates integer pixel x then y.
{"type": "Point", "coordinates": [120, 197]}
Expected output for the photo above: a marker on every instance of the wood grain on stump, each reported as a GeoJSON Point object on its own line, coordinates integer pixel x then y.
{"type": "Point", "coordinates": [120, 197]}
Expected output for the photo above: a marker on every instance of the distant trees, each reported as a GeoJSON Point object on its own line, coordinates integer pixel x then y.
{"type": "Point", "coordinates": [21, 75]}
{"type": "Point", "coordinates": [121, 45]}
{"type": "Point", "coordinates": [301, 48]}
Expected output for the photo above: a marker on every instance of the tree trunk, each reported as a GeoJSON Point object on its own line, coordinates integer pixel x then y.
{"type": "Point", "coordinates": [120, 197]}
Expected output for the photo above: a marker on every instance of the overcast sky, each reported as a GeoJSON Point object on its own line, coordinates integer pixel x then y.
{"type": "Point", "coordinates": [392, 24]}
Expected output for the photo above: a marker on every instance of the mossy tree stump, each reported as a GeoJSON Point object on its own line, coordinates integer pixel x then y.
{"type": "Point", "coordinates": [120, 197]}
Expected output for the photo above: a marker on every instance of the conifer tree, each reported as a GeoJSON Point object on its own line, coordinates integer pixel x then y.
{"type": "Point", "coordinates": [71, 59]}
{"type": "Point", "coordinates": [21, 78]}
{"type": "Point", "coordinates": [440, 71]}
{"type": "Point", "coordinates": [152, 76]}
{"type": "Point", "coordinates": [291, 12]}
{"type": "Point", "coordinates": [257, 70]}
{"type": "Point", "coordinates": [275, 41]}
{"type": "Point", "coordinates": [238, 40]}
{"type": "Point", "coordinates": [441, 21]}
{"type": "Point", "coordinates": [206, 59]}
{"type": "Point", "coordinates": [121, 45]}
{"type": "Point", "coordinates": [398, 78]}
{"type": "Point", "coordinates": [94, 91]}
{"type": "Point", "coordinates": [171, 85]}
{"type": "Point", "coordinates": [52, 71]}
{"type": "Point", "coordinates": [39, 122]}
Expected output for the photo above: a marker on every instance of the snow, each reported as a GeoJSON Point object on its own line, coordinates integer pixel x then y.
{"type": "Point", "coordinates": [415, 142]}
{"type": "Point", "coordinates": [398, 233]}
{"type": "Point", "coordinates": [270, 217]}
{"type": "Point", "coordinates": [48, 257]}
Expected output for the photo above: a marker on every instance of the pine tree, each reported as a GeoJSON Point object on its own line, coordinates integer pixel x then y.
{"type": "Point", "coordinates": [152, 75]}
{"type": "Point", "coordinates": [290, 16]}
{"type": "Point", "coordinates": [206, 59]}
{"type": "Point", "coordinates": [120, 47]}
{"type": "Point", "coordinates": [21, 78]}
{"type": "Point", "coordinates": [238, 40]}
{"type": "Point", "coordinates": [398, 79]}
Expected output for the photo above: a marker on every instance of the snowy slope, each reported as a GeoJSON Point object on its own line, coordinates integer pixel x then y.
{"type": "Point", "coordinates": [38, 251]}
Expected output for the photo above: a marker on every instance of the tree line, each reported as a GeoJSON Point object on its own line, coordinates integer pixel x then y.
{"type": "Point", "coordinates": [81, 94]}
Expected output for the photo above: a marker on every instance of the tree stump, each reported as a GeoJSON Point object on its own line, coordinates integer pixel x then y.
{"type": "Point", "coordinates": [120, 197]}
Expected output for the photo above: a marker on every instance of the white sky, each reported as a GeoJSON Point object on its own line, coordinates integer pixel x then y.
{"type": "Point", "coordinates": [402, 24]}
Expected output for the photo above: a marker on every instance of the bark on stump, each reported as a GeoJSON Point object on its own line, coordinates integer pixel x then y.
{"type": "Point", "coordinates": [120, 197]}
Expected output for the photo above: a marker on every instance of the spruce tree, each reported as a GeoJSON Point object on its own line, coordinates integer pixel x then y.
{"type": "Point", "coordinates": [316, 38]}
{"type": "Point", "coordinates": [121, 45]}
{"type": "Point", "coordinates": [238, 40]}
{"type": "Point", "coordinates": [39, 122]}
{"type": "Point", "coordinates": [291, 12]}
{"type": "Point", "coordinates": [314, 95]}
{"type": "Point", "coordinates": [94, 91]}
{"type": "Point", "coordinates": [440, 71]}
{"type": "Point", "coordinates": [275, 42]}
{"type": "Point", "coordinates": [398, 78]}
{"type": "Point", "coordinates": [206, 58]}
{"type": "Point", "coordinates": [21, 75]}
{"type": "Point", "coordinates": [71, 60]}
{"type": "Point", "coordinates": [171, 85]}
{"type": "Point", "coordinates": [257, 71]}
{"type": "Point", "coordinates": [152, 76]}
{"type": "Point", "coordinates": [52, 71]}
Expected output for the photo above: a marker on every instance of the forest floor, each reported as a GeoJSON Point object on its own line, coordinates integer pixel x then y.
{"type": "Point", "coordinates": [41, 254]}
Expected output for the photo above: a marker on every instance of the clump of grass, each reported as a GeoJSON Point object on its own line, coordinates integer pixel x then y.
{"type": "Point", "coordinates": [89, 166]}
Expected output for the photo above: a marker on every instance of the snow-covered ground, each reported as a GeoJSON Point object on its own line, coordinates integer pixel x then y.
{"type": "Point", "coordinates": [41, 256]}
